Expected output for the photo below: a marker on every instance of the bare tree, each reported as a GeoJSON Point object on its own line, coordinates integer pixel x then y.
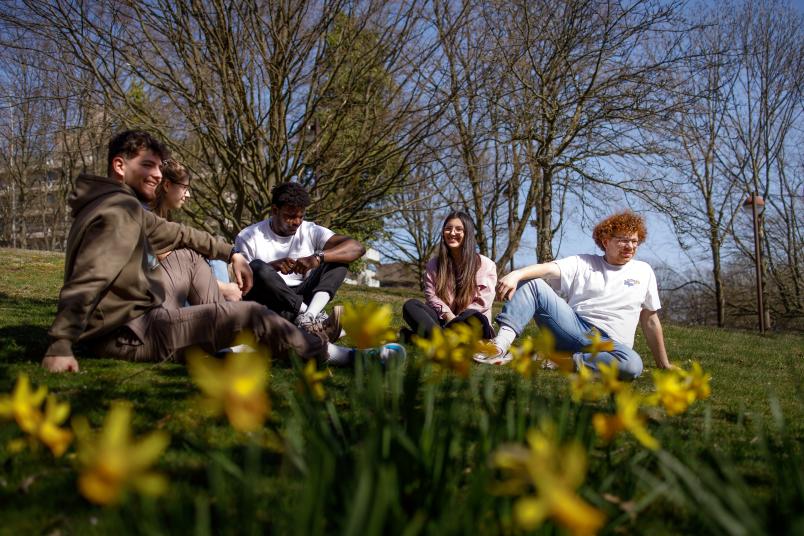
{"type": "Point", "coordinates": [468, 148]}
{"type": "Point", "coordinates": [237, 88]}
{"type": "Point", "coordinates": [704, 196]}
{"type": "Point", "coordinates": [413, 230]}
{"type": "Point", "coordinates": [784, 238]}
{"type": "Point", "coordinates": [762, 120]}
{"type": "Point", "coordinates": [25, 145]}
{"type": "Point", "coordinates": [587, 80]}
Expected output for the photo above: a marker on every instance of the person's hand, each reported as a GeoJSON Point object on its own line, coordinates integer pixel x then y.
{"type": "Point", "coordinates": [305, 264]}
{"type": "Point", "coordinates": [242, 272]}
{"type": "Point", "coordinates": [230, 291]}
{"type": "Point", "coordinates": [60, 363]}
{"type": "Point", "coordinates": [283, 266]}
{"type": "Point", "coordinates": [506, 286]}
{"type": "Point", "coordinates": [666, 365]}
{"type": "Point", "coordinates": [448, 317]}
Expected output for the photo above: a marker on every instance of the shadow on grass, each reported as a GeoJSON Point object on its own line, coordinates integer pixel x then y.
{"type": "Point", "coordinates": [7, 300]}
{"type": "Point", "coordinates": [22, 343]}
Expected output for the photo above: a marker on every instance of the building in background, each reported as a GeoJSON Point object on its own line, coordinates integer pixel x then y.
{"type": "Point", "coordinates": [368, 274]}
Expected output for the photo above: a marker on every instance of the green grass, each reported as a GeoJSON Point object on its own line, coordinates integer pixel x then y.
{"type": "Point", "coordinates": [756, 384]}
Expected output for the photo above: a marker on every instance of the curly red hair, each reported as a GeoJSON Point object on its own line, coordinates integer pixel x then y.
{"type": "Point", "coordinates": [622, 223]}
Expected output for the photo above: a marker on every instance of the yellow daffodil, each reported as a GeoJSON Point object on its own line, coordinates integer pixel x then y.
{"type": "Point", "coordinates": [236, 385]}
{"type": "Point", "coordinates": [545, 476]}
{"type": "Point", "coordinates": [368, 324]}
{"type": "Point", "coordinates": [627, 418]}
{"type": "Point", "coordinates": [597, 344]}
{"type": "Point", "coordinates": [699, 381]}
{"type": "Point", "coordinates": [57, 439]}
{"type": "Point", "coordinates": [609, 378]}
{"type": "Point", "coordinates": [24, 405]}
{"type": "Point", "coordinates": [525, 359]}
{"type": "Point", "coordinates": [673, 391]}
{"type": "Point", "coordinates": [452, 348]}
{"type": "Point", "coordinates": [314, 379]}
{"type": "Point", "coordinates": [544, 343]}
{"type": "Point", "coordinates": [111, 462]}
{"type": "Point", "coordinates": [17, 445]}
{"type": "Point", "coordinates": [584, 387]}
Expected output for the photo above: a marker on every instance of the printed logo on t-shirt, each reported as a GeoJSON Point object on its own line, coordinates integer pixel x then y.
{"type": "Point", "coordinates": [631, 282]}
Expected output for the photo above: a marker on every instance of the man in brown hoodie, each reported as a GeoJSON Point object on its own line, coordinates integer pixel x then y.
{"type": "Point", "coordinates": [113, 297]}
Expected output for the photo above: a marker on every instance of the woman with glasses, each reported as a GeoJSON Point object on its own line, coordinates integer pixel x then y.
{"type": "Point", "coordinates": [458, 283]}
{"type": "Point", "coordinates": [173, 190]}
{"type": "Point", "coordinates": [171, 194]}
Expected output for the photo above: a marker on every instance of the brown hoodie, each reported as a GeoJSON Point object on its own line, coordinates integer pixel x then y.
{"type": "Point", "coordinates": [109, 276]}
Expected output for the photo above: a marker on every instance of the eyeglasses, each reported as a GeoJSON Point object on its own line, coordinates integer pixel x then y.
{"type": "Point", "coordinates": [184, 187]}
{"type": "Point", "coordinates": [621, 241]}
{"type": "Point", "coordinates": [456, 230]}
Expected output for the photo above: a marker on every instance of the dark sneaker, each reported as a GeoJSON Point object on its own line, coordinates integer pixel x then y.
{"type": "Point", "coordinates": [405, 335]}
{"type": "Point", "coordinates": [331, 325]}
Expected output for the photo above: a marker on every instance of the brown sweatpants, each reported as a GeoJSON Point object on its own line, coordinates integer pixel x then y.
{"type": "Point", "coordinates": [209, 321]}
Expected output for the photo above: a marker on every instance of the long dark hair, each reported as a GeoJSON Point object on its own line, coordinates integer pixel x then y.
{"type": "Point", "coordinates": [177, 174]}
{"type": "Point", "coordinates": [458, 278]}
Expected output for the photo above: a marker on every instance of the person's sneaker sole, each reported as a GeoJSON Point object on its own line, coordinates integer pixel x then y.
{"type": "Point", "coordinates": [332, 325]}
{"type": "Point", "coordinates": [499, 359]}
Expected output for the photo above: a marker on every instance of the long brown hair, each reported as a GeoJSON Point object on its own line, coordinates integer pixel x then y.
{"type": "Point", "coordinates": [458, 278]}
{"type": "Point", "coordinates": [177, 174]}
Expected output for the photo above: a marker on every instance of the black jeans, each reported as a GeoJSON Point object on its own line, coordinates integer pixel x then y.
{"type": "Point", "coordinates": [271, 290]}
{"type": "Point", "coordinates": [422, 319]}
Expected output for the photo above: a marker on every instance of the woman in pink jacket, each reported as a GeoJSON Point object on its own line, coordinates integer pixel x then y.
{"type": "Point", "coordinates": [458, 284]}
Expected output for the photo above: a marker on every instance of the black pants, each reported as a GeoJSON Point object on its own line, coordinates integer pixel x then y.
{"type": "Point", "coordinates": [422, 319]}
{"type": "Point", "coordinates": [271, 290]}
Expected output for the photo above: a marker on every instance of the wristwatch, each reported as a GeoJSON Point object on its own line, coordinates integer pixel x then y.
{"type": "Point", "coordinates": [320, 256]}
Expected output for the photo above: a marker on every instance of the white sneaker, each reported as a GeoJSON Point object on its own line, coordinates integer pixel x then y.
{"type": "Point", "coordinates": [499, 358]}
{"type": "Point", "coordinates": [549, 365]}
{"type": "Point", "coordinates": [238, 349]}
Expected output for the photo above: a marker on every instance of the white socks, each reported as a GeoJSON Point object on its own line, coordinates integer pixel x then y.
{"type": "Point", "coordinates": [505, 338]}
{"type": "Point", "coordinates": [339, 356]}
{"type": "Point", "coordinates": [317, 304]}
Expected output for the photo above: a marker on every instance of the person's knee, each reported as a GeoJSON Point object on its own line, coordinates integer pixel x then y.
{"type": "Point", "coordinates": [336, 267]}
{"type": "Point", "coordinates": [258, 266]}
{"type": "Point", "coordinates": [630, 368]}
{"type": "Point", "coordinates": [411, 305]}
{"type": "Point", "coordinates": [540, 286]}
{"type": "Point", "coordinates": [531, 287]}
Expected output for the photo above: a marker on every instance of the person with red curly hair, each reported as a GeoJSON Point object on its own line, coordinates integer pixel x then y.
{"type": "Point", "coordinates": [605, 294]}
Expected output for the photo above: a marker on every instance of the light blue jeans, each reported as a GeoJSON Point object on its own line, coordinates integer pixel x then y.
{"type": "Point", "coordinates": [220, 271]}
{"type": "Point", "coordinates": [537, 300]}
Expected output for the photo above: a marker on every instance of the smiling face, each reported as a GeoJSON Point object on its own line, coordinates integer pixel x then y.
{"type": "Point", "coordinates": [453, 234]}
{"type": "Point", "coordinates": [621, 248]}
{"type": "Point", "coordinates": [141, 173]}
{"type": "Point", "coordinates": [176, 193]}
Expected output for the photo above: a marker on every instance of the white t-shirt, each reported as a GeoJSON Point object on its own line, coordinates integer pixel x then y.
{"type": "Point", "coordinates": [259, 241]}
{"type": "Point", "coordinates": [609, 296]}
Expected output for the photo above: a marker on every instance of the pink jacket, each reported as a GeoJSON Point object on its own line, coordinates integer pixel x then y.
{"type": "Point", "coordinates": [486, 280]}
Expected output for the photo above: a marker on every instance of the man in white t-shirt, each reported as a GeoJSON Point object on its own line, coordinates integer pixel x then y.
{"type": "Point", "coordinates": [612, 293]}
{"type": "Point", "coordinates": [298, 265]}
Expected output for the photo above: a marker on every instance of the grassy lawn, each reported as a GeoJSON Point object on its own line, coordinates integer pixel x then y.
{"type": "Point", "coordinates": [756, 392]}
